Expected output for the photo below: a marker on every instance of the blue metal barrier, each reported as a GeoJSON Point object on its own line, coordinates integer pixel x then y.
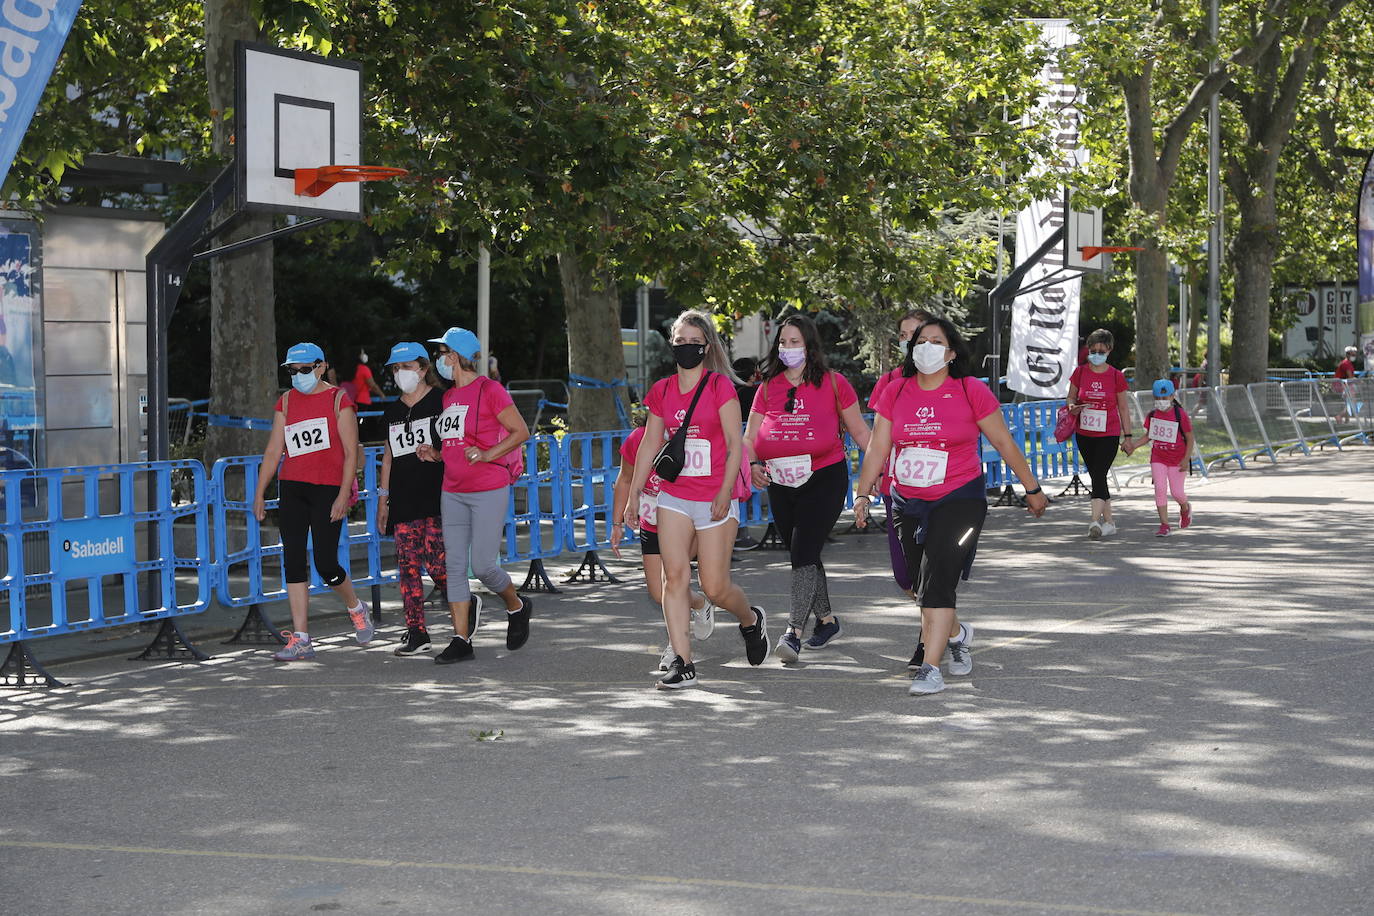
{"type": "Point", "coordinates": [249, 565]}
{"type": "Point", "coordinates": [536, 517]}
{"type": "Point", "coordinates": [70, 531]}
{"type": "Point", "coordinates": [590, 464]}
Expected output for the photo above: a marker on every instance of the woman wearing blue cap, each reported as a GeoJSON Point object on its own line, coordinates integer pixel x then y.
{"type": "Point", "coordinates": [316, 426]}
{"type": "Point", "coordinates": [409, 507]}
{"type": "Point", "coordinates": [480, 433]}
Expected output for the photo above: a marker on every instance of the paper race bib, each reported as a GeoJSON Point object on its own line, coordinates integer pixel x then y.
{"type": "Point", "coordinates": [792, 471]}
{"type": "Point", "coordinates": [918, 466]}
{"type": "Point", "coordinates": [406, 441]}
{"type": "Point", "coordinates": [648, 509]}
{"type": "Point", "coordinates": [1162, 430]}
{"type": "Point", "coordinates": [1093, 420]}
{"type": "Point", "coordinates": [307, 436]}
{"type": "Point", "coordinates": [453, 422]}
{"type": "Point", "coordinates": [697, 462]}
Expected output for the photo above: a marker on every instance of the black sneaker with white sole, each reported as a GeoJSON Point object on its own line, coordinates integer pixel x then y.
{"type": "Point", "coordinates": [474, 615]}
{"type": "Point", "coordinates": [756, 637]}
{"type": "Point", "coordinates": [415, 641]}
{"type": "Point", "coordinates": [459, 650]}
{"type": "Point", "coordinates": [518, 624]}
{"type": "Point", "coordinates": [918, 658]}
{"type": "Point", "coordinates": [680, 674]}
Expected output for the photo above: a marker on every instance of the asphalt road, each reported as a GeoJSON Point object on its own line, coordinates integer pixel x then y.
{"type": "Point", "coordinates": [1176, 725]}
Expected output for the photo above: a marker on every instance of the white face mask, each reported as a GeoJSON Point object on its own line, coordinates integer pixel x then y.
{"type": "Point", "coordinates": [407, 379]}
{"type": "Point", "coordinates": [929, 357]}
{"type": "Point", "coordinates": [1163, 403]}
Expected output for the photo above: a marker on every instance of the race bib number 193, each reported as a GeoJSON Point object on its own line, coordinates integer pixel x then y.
{"type": "Point", "coordinates": [404, 441]}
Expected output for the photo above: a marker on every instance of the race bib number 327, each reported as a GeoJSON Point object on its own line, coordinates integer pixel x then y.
{"type": "Point", "coordinates": [917, 466]}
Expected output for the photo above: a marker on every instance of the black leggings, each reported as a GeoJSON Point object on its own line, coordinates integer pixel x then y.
{"type": "Point", "coordinates": [951, 536]}
{"type": "Point", "coordinates": [804, 515]}
{"type": "Point", "coordinates": [1098, 453]}
{"type": "Point", "coordinates": [303, 509]}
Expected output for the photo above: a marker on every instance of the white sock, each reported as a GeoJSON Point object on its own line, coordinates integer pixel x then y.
{"type": "Point", "coordinates": [303, 637]}
{"type": "Point", "coordinates": [357, 607]}
{"type": "Point", "coordinates": [962, 637]}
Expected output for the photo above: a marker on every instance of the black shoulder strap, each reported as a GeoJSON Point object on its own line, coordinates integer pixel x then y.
{"type": "Point", "coordinates": [701, 386]}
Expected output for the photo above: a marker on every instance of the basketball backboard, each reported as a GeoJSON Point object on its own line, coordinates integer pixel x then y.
{"type": "Point", "coordinates": [1083, 229]}
{"type": "Point", "coordinates": [294, 111]}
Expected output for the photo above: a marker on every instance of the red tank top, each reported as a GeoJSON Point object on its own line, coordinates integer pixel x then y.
{"type": "Point", "coordinates": [314, 453]}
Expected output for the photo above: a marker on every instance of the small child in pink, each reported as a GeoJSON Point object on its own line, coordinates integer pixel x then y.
{"type": "Point", "coordinates": [1170, 433]}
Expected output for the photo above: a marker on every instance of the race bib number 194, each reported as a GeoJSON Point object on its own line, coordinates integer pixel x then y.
{"type": "Point", "coordinates": [453, 422]}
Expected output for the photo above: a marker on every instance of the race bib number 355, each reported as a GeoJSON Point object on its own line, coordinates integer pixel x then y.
{"type": "Point", "coordinates": [697, 462]}
{"type": "Point", "coordinates": [917, 466]}
{"type": "Point", "coordinates": [307, 436]}
{"type": "Point", "coordinates": [790, 472]}
{"type": "Point", "coordinates": [453, 422]}
{"type": "Point", "coordinates": [406, 438]}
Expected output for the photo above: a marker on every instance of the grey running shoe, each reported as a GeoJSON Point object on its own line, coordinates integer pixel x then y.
{"type": "Point", "coordinates": [1108, 529]}
{"type": "Point", "coordinates": [927, 680]}
{"type": "Point", "coordinates": [295, 650]}
{"type": "Point", "coordinates": [789, 647]}
{"type": "Point", "coordinates": [667, 658]}
{"type": "Point", "coordinates": [704, 621]}
{"type": "Point", "coordinates": [960, 656]}
{"type": "Point", "coordinates": [1095, 530]}
{"type": "Point", "coordinates": [362, 622]}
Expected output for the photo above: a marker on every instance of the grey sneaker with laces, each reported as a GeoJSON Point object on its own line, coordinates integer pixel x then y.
{"type": "Point", "coordinates": [927, 680]}
{"type": "Point", "coordinates": [960, 654]}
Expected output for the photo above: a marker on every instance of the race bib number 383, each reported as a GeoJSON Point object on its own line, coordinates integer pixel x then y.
{"type": "Point", "coordinates": [1163, 430]}
{"type": "Point", "coordinates": [307, 436]}
{"type": "Point", "coordinates": [407, 437]}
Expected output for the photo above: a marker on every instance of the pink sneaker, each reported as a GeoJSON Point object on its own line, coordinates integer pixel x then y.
{"type": "Point", "coordinates": [1163, 531]}
{"type": "Point", "coordinates": [1185, 516]}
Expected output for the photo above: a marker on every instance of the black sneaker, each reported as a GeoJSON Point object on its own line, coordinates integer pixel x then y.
{"type": "Point", "coordinates": [474, 615]}
{"type": "Point", "coordinates": [459, 650]}
{"type": "Point", "coordinates": [518, 624]}
{"type": "Point", "coordinates": [756, 637]}
{"type": "Point", "coordinates": [414, 642]}
{"type": "Point", "coordinates": [680, 674]}
{"type": "Point", "coordinates": [918, 658]}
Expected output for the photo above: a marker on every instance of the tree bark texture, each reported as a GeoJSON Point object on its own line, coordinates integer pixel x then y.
{"type": "Point", "coordinates": [1151, 314]}
{"type": "Point", "coordinates": [1253, 251]}
{"type": "Point", "coordinates": [592, 303]}
{"type": "Point", "coordinates": [243, 336]}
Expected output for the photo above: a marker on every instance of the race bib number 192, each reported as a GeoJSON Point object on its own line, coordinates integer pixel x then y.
{"type": "Point", "coordinates": [307, 436]}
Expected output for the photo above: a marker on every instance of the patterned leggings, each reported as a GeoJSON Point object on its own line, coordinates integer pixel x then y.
{"type": "Point", "coordinates": [419, 544]}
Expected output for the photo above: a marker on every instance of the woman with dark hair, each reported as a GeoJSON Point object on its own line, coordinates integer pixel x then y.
{"type": "Point", "coordinates": [928, 424]}
{"type": "Point", "coordinates": [795, 444]}
{"type": "Point", "coordinates": [1100, 397]}
{"type": "Point", "coordinates": [410, 488]}
{"type": "Point", "coordinates": [906, 327]}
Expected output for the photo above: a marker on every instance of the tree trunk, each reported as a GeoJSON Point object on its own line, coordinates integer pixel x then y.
{"type": "Point", "coordinates": [243, 335]}
{"type": "Point", "coordinates": [1252, 256]}
{"type": "Point", "coordinates": [1196, 297]}
{"type": "Point", "coordinates": [594, 348]}
{"type": "Point", "coordinates": [1151, 314]}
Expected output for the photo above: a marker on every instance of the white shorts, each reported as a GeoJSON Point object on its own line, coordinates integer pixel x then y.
{"type": "Point", "coordinates": [699, 511]}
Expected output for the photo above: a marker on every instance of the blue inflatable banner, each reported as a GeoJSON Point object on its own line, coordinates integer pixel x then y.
{"type": "Point", "coordinates": [32, 33]}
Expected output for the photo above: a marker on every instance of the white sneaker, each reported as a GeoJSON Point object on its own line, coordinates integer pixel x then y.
{"type": "Point", "coordinates": [960, 653]}
{"type": "Point", "coordinates": [667, 659]}
{"type": "Point", "coordinates": [1108, 529]}
{"type": "Point", "coordinates": [1095, 530]}
{"type": "Point", "coordinates": [703, 621]}
{"type": "Point", "coordinates": [927, 680]}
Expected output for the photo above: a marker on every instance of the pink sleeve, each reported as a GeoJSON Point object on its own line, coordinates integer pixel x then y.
{"type": "Point", "coordinates": [629, 449]}
{"type": "Point", "coordinates": [277, 408]}
{"type": "Point", "coordinates": [885, 402]}
{"type": "Point", "coordinates": [1121, 383]}
{"type": "Point", "coordinates": [1075, 378]}
{"type": "Point", "coordinates": [498, 398]}
{"type": "Point", "coordinates": [1183, 420]}
{"type": "Point", "coordinates": [722, 391]}
{"type": "Point", "coordinates": [848, 396]}
{"type": "Point", "coordinates": [654, 399]}
{"type": "Point", "coordinates": [983, 401]}
{"type": "Point", "coordinates": [347, 401]}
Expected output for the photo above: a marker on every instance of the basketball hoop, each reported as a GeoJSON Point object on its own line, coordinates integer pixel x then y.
{"type": "Point", "coordinates": [1092, 251]}
{"type": "Point", "coordinates": [314, 182]}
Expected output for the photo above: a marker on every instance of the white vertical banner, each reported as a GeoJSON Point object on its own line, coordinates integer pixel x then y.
{"type": "Point", "coordinates": [1044, 323]}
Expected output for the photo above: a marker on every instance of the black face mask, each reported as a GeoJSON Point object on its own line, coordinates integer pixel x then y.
{"type": "Point", "coordinates": [689, 356]}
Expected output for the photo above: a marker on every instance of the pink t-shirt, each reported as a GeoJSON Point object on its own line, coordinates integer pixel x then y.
{"type": "Point", "coordinates": [1098, 391]}
{"type": "Point", "coordinates": [813, 426]}
{"type": "Point", "coordinates": [884, 380]}
{"type": "Point", "coordinates": [935, 434]}
{"type": "Point", "coordinates": [1161, 427]}
{"type": "Point", "coordinates": [704, 471]}
{"type": "Point", "coordinates": [629, 452]}
{"type": "Point", "coordinates": [469, 418]}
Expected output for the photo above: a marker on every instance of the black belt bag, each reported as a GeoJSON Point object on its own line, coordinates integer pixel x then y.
{"type": "Point", "coordinates": [670, 459]}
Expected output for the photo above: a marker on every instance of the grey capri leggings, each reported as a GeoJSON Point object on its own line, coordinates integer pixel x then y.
{"type": "Point", "coordinates": [473, 525]}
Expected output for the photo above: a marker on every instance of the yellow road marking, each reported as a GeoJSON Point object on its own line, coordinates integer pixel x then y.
{"type": "Point", "coordinates": [591, 875]}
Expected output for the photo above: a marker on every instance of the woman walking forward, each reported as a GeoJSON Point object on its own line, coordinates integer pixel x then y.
{"type": "Point", "coordinates": [1100, 397]}
{"type": "Point", "coordinates": [480, 433]}
{"type": "Point", "coordinates": [701, 503]}
{"type": "Point", "coordinates": [795, 441]}
{"type": "Point", "coordinates": [929, 423]}
{"type": "Point", "coordinates": [316, 426]}
{"type": "Point", "coordinates": [410, 488]}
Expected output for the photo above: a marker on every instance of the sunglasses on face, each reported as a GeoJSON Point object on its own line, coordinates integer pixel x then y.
{"type": "Point", "coordinates": [301, 370]}
{"type": "Point", "coordinates": [791, 403]}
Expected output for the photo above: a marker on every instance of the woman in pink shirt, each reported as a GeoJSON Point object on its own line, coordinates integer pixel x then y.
{"type": "Point", "coordinates": [795, 443]}
{"type": "Point", "coordinates": [701, 502]}
{"type": "Point", "coordinates": [1100, 397]}
{"type": "Point", "coordinates": [928, 426]}
{"type": "Point", "coordinates": [906, 327]}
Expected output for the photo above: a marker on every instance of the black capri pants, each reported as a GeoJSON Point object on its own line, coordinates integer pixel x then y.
{"type": "Point", "coordinates": [1098, 453]}
{"type": "Point", "coordinates": [935, 567]}
{"type": "Point", "coordinates": [303, 509]}
{"type": "Point", "coordinates": [805, 515]}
